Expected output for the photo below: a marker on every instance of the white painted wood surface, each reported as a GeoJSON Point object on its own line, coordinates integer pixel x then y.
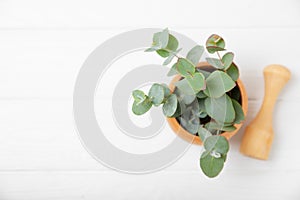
{"type": "Point", "coordinates": [43, 45]}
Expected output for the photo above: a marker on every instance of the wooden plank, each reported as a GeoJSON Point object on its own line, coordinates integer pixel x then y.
{"type": "Point", "coordinates": [64, 14]}
{"type": "Point", "coordinates": [163, 185]}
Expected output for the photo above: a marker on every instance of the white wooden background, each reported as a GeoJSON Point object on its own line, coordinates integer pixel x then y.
{"type": "Point", "coordinates": [42, 47]}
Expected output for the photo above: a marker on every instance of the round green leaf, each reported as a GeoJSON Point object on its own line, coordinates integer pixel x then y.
{"type": "Point", "coordinates": [218, 83]}
{"type": "Point", "coordinates": [163, 53]}
{"type": "Point", "coordinates": [220, 109]}
{"type": "Point", "coordinates": [184, 67]}
{"type": "Point", "coordinates": [211, 166]}
{"type": "Point", "coordinates": [215, 43]}
{"type": "Point", "coordinates": [173, 70]}
{"type": "Point", "coordinates": [216, 63]}
{"type": "Point", "coordinates": [233, 72]}
{"type": "Point", "coordinates": [142, 107]}
{"type": "Point", "coordinates": [170, 106]}
{"type": "Point", "coordinates": [172, 43]}
{"type": "Point", "coordinates": [203, 133]}
{"type": "Point", "coordinates": [189, 118]}
{"type": "Point", "coordinates": [227, 59]}
{"type": "Point", "coordinates": [196, 81]}
{"type": "Point", "coordinates": [195, 54]}
{"type": "Point", "coordinates": [167, 91]}
{"type": "Point", "coordinates": [239, 113]}
{"type": "Point", "coordinates": [216, 143]}
{"type": "Point", "coordinates": [171, 56]}
{"type": "Point", "coordinates": [216, 126]}
{"type": "Point", "coordinates": [138, 95]}
{"type": "Point", "coordinates": [156, 94]}
{"type": "Point", "coordinates": [185, 87]}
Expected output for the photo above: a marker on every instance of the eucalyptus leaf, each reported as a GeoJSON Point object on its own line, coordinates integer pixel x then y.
{"type": "Point", "coordinates": [216, 126]}
{"type": "Point", "coordinates": [188, 99]}
{"type": "Point", "coordinates": [167, 90]}
{"type": "Point", "coordinates": [170, 106]}
{"type": "Point", "coordinates": [205, 73]}
{"type": "Point", "coordinates": [172, 43]}
{"type": "Point", "coordinates": [171, 56]}
{"type": "Point", "coordinates": [195, 54]}
{"type": "Point", "coordinates": [173, 70]}
{"type": "Point", "coordinates": [190, 119]}
{"type": "Point", "coordinates": [196, 81]}
{"type": "Point", "coordinates": [216, 63]}
{"type": "Point", "coordinates": [142, 107]}
{"type": "Point", "coordinates": [216, 143]}
{"type": "Point", "coordinates": [156, 94]}
{"type": "Point", "coordinates": [185, 87]}
{"type": "Point", "coordinates": [203, 133]}
{"type": "Point", "coordinates": [164, 38]}
{"type": "Point", "coordinates": [218, 83]}
{"type": "Point", "coordinates": [138, 96]}
{"type": "Point", "coordinates": [220, 109]}
{"type": "Point", "coordinates": [163, 53]}
{"type": "Point", "coordinates": [233, 72]}
{"type": "Point", "coordinates": [239, 113]}
{"type": "Point", "coordinates": [215, 43]}
{"type": "Point", "coordinates": [210, 165]}
{"type": "Point", "coordinates": [184, 67]}
{"type": "Point", "coordinates": [227, 60]}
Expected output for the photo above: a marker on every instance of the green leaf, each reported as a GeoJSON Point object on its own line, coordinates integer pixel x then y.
{"type": "Point", "coordinates": [167, 91]}
{"type": "Point", "coordinates": [215, 43]}
{"type": "Point", "coordinates": [201, 103]}
{"type": "Point", "coordinates": [201, 95]}
{"type": "Point", "coordinates": [189, 119]}
{"type": "Point", "coordinates": [156, 94]}
{"type": "Point", "coordinates": [227, 59]}
{"type": "Point", "coordinates": [222, 127]}
{"type": "Point", "coordinates": [216, 63]}
{"type": "Point", "coordinates": [172, 43]}
{"type": "Point", "coordinates": [233, 72]}
{"type": "Point", "coordinates": [184, 87]}
{"type": "Point", "coordinates": [163, 53]}
{"type": "Point", "coordinates": [203, 133]}
{"type": "Point", "coordinates": [196, 81]}
{"type": "Point", "coordinates": [239, 114]}
{"type": "Point", "coordinates": [184, 67]}
{"type": "Point", "coordinates": [138, 96]}
{"type": "Point", "coordinates": [172, 46]}
{"type": "Point", "coordinates": [142, 107]}
{"type": "Point", "coordinates": [218, 83]}
{"type": "Point", "coordinates": [171, 56]}
{"type": "Point", "coordinates": [220, 109]}
{"type": "Point", "coordinates": [211, 166]}
{"type": "Point", "coordinates": [205, 73]}
{"type": "Point", "coordinates": [164, 38]}
{"type": "Point", "coordinates": [195, 54]}
{"type": "Point", "coordinates": [170, 106]}
{"type": "Point", "coordinates": [216, 143]}
{"type": "Point", "coordinates": [173, 70]}
{"type": "Point", "coordinates": [183, 97]}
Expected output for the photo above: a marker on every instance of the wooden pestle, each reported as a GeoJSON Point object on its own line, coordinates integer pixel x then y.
{"type": "Point", "coordinates": [258, 137]}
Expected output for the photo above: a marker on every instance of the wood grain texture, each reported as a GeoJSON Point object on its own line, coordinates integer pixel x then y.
{"type": "Point", "coordinates": [43, 45]}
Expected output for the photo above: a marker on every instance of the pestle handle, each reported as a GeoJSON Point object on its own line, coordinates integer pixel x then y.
{"type": "Point", "coordinates": [258, 137]}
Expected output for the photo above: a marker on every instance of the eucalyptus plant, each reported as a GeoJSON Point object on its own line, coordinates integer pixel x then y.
{"type": "Point", "coordinates": [206, 102]}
